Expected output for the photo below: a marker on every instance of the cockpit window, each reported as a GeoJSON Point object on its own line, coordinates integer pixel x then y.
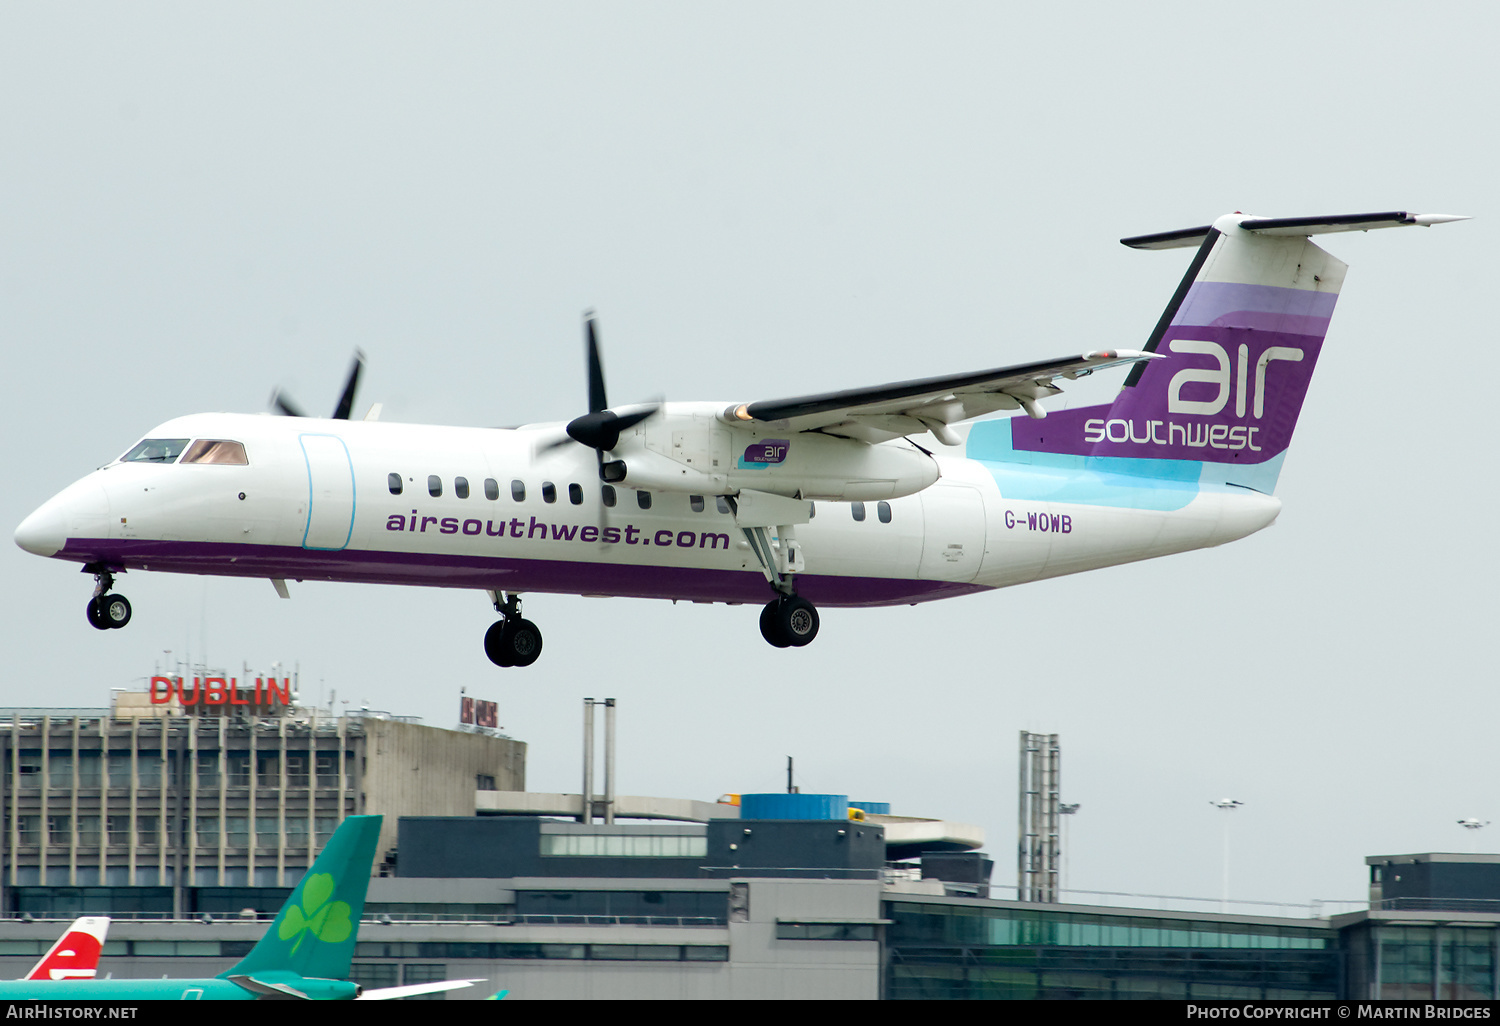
{"type": "Point", "coordinates": [156, 450]}
{"type": "Point", "coordinates": [216, 450]}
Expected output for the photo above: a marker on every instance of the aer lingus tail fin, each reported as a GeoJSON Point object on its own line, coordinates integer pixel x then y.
{"type": "Point", "coordinates": [314, 933]}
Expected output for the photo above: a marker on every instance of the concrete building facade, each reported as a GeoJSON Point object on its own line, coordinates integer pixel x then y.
{"type": "Point", "coordinates": [150, 811]}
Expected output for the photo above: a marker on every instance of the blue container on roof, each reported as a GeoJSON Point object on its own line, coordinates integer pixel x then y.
{"type": "Point", "coordinates": [873, 808]}
{"type": "Point", "coordinates": [794, 806]}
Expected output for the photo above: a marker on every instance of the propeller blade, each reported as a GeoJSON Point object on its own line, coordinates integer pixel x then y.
{"type": "Point", "coordinates": [285, 406]}
{"type": "Point", "coordinates": [597, 402]}
{"type": "Point", "coordinates": [346, 401]}
{"type": "Point", "coordinates": [626, 421]}
{"type": "Point", "coordinates": [556, 443]}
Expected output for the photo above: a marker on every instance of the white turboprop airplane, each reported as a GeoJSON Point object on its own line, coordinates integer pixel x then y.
{"type": "Point", "coordinates": [819, 500]}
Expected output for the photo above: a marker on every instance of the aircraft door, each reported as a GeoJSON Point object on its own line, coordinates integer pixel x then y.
{"type": "Point", "coordinates": [953, 532]}
{"type": "Point", "coordinates": [330, 500]}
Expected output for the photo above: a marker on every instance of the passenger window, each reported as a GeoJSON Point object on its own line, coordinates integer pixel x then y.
{"type": "Point", "coordinates": [216, 450]}
{"type": "Point", "coordinates": [643, 500]}
{"type": "Point", "coordinates": [575, 494]}
{"type": "Point", "coordinates": [434, 485]}
{"type": "Point", "coordinates": [883, 511]}
{"type": "Point", "coordinates": [518, 490]}
{"type": "Point", "coordinates": [607, 493]}
{"type": "Point", "coordinates": [858, 508]}
{"type": "Point", "coordinates": [394, 481]}
{"type": "Point", "coordinates": [722, 503]}
{"type": "Point", "coordinates": [491, 488]}
{"type": "Point", "coordinates": [461, 487]}
{"type": "Point", "coordinates": [156, 450]}
{"type": "Point", "coordinates": [549, 491]}
{"type": "Point", "coordinates": [696, 501]}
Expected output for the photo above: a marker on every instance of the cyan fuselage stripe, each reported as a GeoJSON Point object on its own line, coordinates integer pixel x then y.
{"type": "Point", "coordinates": [1119, 481]}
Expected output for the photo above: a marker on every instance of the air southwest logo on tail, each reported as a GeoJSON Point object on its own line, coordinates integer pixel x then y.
{"type": "Point", "coordinates": [1199, 434]}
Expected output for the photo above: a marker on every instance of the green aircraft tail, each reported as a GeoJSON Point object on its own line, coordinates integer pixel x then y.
{"type": "Point", "coordinates": [314, 933]}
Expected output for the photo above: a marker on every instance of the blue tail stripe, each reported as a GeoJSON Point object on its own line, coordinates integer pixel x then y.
{"type": "Point", "coordinates": [1120, 481]}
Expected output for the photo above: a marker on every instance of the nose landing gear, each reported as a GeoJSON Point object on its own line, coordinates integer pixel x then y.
{"type": "Point", "coordinates": [106, 611]}
{"type": "Point", "coordinates": [511, 641]}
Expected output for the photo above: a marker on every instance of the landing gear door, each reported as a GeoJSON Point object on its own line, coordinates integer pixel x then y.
{"type": "Point", "coordinates": [953, 533]}
{"type": "Point", "coordinates": [330, 499]}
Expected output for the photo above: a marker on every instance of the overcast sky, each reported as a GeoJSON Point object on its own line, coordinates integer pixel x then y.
{"type": "Point", "coordinates": [201, 202]}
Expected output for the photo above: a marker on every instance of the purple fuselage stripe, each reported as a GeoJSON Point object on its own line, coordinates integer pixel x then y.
{"type": "Point", "coordinates": [493, 573]}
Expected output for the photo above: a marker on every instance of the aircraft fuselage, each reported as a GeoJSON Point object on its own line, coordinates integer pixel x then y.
{"type": "Point", "coordinates": [317, 501]}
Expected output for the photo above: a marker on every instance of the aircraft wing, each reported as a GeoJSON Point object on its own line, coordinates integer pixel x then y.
{"type": "Point", "coordinates": [882, 412]}
{"type": "Point", "coordinates": [413, 989]}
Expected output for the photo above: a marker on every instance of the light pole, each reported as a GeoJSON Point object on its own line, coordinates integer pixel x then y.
{"type": "Point", "coordinates": [1066, 810]}
{"type": "Point", "coordinates": [1226, 805]}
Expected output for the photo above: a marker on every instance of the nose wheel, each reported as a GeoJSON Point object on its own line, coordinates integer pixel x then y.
{"type": "Point", "coordinates": [106, 611]}
{"type": "Point", "coordinates": [511, 640]}
{"type": "Point", "coordinates": [789, 621]}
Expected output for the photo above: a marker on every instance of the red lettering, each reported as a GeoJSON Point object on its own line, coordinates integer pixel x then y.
{"type": "Point", "coordinates": [166, 696]}
{"type": "Point", "coordinates": [213, 690]}
{"type": "Point", "coordinates": [283, 694]}
{"type": "Point", "coordinates": [234, 693]}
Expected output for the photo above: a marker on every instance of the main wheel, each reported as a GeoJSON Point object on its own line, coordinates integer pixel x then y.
{"type": "Point", "coordinates": [96, 615]}
{"type": "Point", "coordinates": [525, 642]}
{"type": "Point", "coordinates": [114, 610]}
{"type": "Point", "coordinates": [496, 647]}
{"type": "Point", "coordinates": [513, 643]}
{"type": "Point", "coordinates": [798, 620]}
{"type": "Point", "coordinates": [770, 626]}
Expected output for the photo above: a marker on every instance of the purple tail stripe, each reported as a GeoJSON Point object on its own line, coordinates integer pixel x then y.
{"type": "Point", "coordinates": [1238, 362]}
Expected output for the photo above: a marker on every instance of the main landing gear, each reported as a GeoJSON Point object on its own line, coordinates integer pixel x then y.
{"type": "Point", "coordinates": [511, 641]}
{"type": "Point", "coordinates": [106, 611]}
{"type": "Point", "coordinates": [789, 621]}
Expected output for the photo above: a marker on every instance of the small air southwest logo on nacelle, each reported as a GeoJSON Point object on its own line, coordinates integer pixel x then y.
{"type": "Point", "coordinates": [1220, 377]}
{"type": "Point", "coordinates": [765, 453]}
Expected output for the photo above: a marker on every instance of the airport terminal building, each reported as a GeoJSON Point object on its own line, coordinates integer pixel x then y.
{"type": "Point", "coordinates": [153, 808]}
{"type": "Point", "coordinates": [190, 830]}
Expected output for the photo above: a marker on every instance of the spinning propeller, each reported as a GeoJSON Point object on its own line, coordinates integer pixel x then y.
{"type": "Point", "coordinates": [346, 401]}
{"type": "Point", "coordinates": [601, 427]}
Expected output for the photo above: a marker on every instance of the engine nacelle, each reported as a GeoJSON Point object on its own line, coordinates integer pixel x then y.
{"type": "Point", "coordinates": [688, 450]}
{"type": "Point", "coordinates": [816, 466]}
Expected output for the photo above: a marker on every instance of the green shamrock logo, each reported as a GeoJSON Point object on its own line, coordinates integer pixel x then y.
{"type": "Point", "coordinates": [326, 921]}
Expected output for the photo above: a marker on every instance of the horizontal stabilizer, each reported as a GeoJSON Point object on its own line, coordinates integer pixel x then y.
{"type": "Point", "coordinates": [1294, 226]}
{"type": "Point", "coordinates": [1179, 239]}
{"type": "Point", "coordinates": [1344, 223]}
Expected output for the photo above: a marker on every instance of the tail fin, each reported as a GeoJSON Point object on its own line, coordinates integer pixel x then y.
{"type": "Point", "coordinates": [1240, 340]}
{"type": "Point", "coordinates": [314, 933]}
{"type": "Point", "coordinates": [75, 956]}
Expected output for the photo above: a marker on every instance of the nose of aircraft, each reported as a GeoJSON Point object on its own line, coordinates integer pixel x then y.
{"type": "Point", "coordinates": [44, 531]}
{"type": "Point", "coordinates": [80, 510]}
